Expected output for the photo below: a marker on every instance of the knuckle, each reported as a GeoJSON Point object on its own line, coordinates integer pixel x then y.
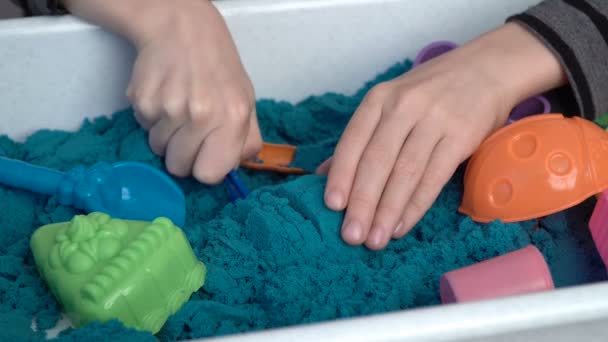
{"type": "Point", "coordinates": [375, 160]}
{"type": "Point", "coordinates": [198, 109]}
{"type": "Point", "coordinates": [379, 91]}
{"type": "Point", "coordinates": [145, 105]}
{"type": "Point", "coordinates": [438, 115]}
{"type": "Point", "coordinates": [173, 107]}
{"type": "Point", "coordinates": [387, 213]}
{"type": "Point", "coordinates": [243, 105]}
{"type": "Point", "coordinates": [458, 125]}
{"type": "Point", "coordinates": [413, 99]}
{"type": "Point", "coordinates": [463, 143]}
{"type": "Point", "coordinates": [404, 102]}
{"type": "Point", "coordinates": [453, 127]}
{"type": "Point", "coordinates": [362, 199]}
{"type": "Point", "coordinates": [433, 179]}
{"type": "Point", "coordinates": [405, 170]}
{"type": "Point", "coordinates": [417, 98]}
{"type": "Point", "coordinates": [239, 110]}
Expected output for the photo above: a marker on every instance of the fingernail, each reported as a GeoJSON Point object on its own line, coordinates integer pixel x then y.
{"type": "Point", "coordinates": [335, 200]}
{"type": "Point", "coordinates": [352, 232]}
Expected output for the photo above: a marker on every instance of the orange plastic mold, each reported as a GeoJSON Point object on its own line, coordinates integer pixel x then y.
{"type": "Point", "coordinates": [535, 167]}
{"type": "Point", "coordinates": [275, 157]}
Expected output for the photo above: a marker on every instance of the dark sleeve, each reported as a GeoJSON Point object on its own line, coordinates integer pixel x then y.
{"type": "Point", "coordinates": [576, 31]}
{"type": "Point", "coordinates": [41, 7]}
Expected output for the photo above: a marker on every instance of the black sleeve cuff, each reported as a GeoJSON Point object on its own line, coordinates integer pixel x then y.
{"type": "Point", "coordinates": [576, 31]}
{"type": "Point", "coordinates": [43, 7]}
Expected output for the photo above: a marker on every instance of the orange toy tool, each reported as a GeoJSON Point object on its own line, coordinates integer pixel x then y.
{"type": "Point", "coordinates": [275, 157]}
{"type": "Point", "coordinates": [535, 167]}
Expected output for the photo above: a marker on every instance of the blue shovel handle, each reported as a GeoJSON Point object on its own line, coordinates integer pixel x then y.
{"type": "Point", "coordinates": [235, 186]}
{"type": "Point", "coordinates": [38, 179]}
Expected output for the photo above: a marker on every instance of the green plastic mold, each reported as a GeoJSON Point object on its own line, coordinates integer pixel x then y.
{"type": "Point", "coordinates": [100, 268]}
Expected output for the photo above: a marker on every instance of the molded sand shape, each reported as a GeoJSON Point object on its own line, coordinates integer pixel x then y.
{"type": "Point", "coordinates": [101, 269]}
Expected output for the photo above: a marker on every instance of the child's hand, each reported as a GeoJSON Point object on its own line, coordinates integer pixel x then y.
{"type": "Point", "coordinates": [403, 144]}
{"type": "Point", "coordinates": [191, 91]}
{"type": "Point", "coordinates": [188, 87]}
{"type": "Point", "coordinates": [409, 135]}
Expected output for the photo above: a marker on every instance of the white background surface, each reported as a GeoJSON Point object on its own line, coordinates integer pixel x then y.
{"type": "Point", "coordinates": [56, 71]}
{"type": "Point", "coordinates": [574, 314]}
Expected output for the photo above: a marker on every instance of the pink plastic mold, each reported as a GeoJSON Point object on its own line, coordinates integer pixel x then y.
{"type": "Point", "coordinates": [598, 224]}
{"type": "Point", "coordinates": [519, 272]}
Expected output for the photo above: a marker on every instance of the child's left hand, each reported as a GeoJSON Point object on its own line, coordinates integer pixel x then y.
{"type": "Point", "coordinates": [403, 144]}
{"type": "Point", "coordinates": [410, 134]}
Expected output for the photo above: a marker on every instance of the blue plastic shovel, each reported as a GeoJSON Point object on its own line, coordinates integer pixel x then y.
{"type": "Point", "coordinates": [125, 190]}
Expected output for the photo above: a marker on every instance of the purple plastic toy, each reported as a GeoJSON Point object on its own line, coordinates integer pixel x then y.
{"type": "Point", "coordinates": [598, 224]}
{"type": "Point", "coordinates": [534, 105]}
{"type": "Point", "coordinates": [433, 50]}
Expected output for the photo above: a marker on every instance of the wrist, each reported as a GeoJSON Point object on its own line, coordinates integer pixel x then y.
{"type": "Point", "coordinates": [517, 61]}
{"type": "Point", "coordinates": [137, 20]}
{"type": "Point", "coordinates": [121, 17]}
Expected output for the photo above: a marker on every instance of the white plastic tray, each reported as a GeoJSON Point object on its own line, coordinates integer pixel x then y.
{"type": "Point", "coordinates": [54, 72]}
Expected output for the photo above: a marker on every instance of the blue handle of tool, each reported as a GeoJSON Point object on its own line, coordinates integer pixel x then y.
{"type": "Point", "coordinates": [38, 179]}
{"type": "Point", "coordinates": [235, 185]}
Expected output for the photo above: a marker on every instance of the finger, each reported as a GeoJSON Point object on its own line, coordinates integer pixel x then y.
{"type": "Point", "coordinates": [348, 152]}
{"type": "Point", "coordinates": [184, 146]}
{"type": "Point", "coordinates": [253, 142]}
{"type": "Point", "coordinates": [141, 121]}
{"type": "Point", "coordinates": [372, 172]}
{"type": "Point", "coordinates": [174, 92]}
{"type": "Point", "coordinates": [174, 108]}
{"type": "Point", "coordinates": [446, 158]}
{"type": "Point", "coordinates": [149, 111]}
{"type": "Point", "coordinates": [219, 153]}
{"type": "Point", "coordinates": [404, 178]}
{"type": "Point", "coordinates": [143, 93]}
{"type": "Point", "coordinates": [161, 133]}
{"type": "Point", "coordinates": [202, 100]}
{"type": "Point", "coordinates": [134, 81]}
{"type": "Point", "coordinates": [323, 169]}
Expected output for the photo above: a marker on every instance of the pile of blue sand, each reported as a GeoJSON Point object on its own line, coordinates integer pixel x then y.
{"type": "Point", "coordinates": [276, 258]}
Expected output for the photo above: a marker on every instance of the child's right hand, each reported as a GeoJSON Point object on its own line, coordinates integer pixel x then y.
{"type": "Point", "coordinates": [188, 87]}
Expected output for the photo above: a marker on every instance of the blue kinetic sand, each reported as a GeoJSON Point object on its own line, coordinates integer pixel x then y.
{"type": "Point", "coordinates": [275, 258]}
